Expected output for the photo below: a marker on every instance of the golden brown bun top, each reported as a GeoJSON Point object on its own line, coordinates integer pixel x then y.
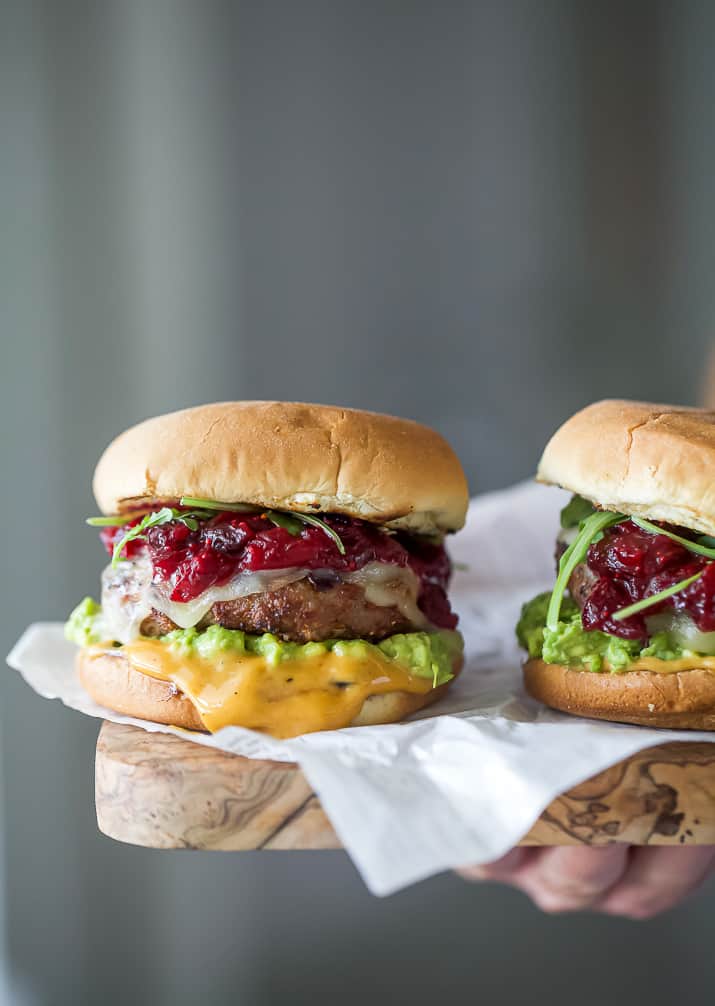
{"type": "Point", "coordinates": [653, 461]}
{"type": "Point", "coordinates": [289, 456]}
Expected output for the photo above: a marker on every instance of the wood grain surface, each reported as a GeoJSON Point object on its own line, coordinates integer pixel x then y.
{"type": "Point", "coordinates": [159, 791]}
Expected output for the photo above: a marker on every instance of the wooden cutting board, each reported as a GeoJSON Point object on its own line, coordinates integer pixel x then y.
{"type": "Point", "coordinates": [162, 792]}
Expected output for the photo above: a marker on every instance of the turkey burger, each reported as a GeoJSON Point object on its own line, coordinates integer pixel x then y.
{"type": "Point", "coordinates": [628, 632]}
{"type": "Point", "coordinates": [273, 565]}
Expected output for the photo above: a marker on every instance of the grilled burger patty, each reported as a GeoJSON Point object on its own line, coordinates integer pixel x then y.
{"type": "Point", "coordinates": [301, 612]}
{"type": "Point", "coordinates": [307, 610]}
{"type": "Point", "coordinates": [581, 583]}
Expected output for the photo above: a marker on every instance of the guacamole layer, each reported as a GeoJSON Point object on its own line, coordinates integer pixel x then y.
{"type": "Point", "coordinates": [570, 644]}
{"type": "Point", "coordinates": [424, 654]}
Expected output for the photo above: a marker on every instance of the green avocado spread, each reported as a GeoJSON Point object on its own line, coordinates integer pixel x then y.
{"type": "Point", "coordinates": [569, 643]}
{"type": "Point", "coordinates": [83, 627]}
{"type": "Point", "coordinates": [424, 654]}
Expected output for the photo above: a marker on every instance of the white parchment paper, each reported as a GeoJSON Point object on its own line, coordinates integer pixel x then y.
{"type": "Point", "coordinates": [461, 782]}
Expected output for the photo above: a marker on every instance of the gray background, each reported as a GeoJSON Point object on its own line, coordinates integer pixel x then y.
{"type": "Point", "coordinates": [481, 215]}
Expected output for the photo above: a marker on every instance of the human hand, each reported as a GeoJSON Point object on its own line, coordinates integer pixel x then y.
{"type": "Point", "coordinates": [631, 881]}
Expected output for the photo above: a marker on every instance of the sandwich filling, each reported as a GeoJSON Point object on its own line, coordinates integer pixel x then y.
{"type": "Point", "coordinates": [639, 595]}
{"type": "Point", "coordinates": [281, 622]}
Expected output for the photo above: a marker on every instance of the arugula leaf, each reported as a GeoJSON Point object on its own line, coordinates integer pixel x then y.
{"type": "Point", "coordinates": [119, 519]}
{"type": "Point", "coordinates": [114, 521]}
{"type": "Point", "coordinates": [196, 501]}
{"type": "Point", "coordinates": [326, 528]}
{"type": "Point", "coordinates": [647, 602]}
{"type": "Point", "coordinates": [150, 520]}
{"type": "Point", "coordinates": [693, 546]}
{"type": "Point", "coordinates": [575, 511]}
{"type": "Point", "coordinates": [576, 552]}
{"type": "Point", "coordinates": [205, 509]}
{"type": "Point", "coordinates": [289, 521]}
{"type": "Point", "coordinates": [292, 523]}
{"type": "Point", "coordinates": [286, 521]}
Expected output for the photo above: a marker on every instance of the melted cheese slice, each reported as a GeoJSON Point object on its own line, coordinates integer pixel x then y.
{"type": "Point", "coordinates": [284, 699]}
{"type": "Point", "coordinates": [128, 594]}
{"type": "Point", "coordinates": [670, 666]}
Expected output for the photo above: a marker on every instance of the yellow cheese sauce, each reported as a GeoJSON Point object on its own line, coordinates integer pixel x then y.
{"type": "Point", "coordinates": [285, 698]}
{"type": "Point", "coordinates": [669, 666]}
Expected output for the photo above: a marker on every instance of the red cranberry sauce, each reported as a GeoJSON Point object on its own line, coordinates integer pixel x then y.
{"type": "Point", "coordinates": [631, 564]}
{"type": "Point", "coordinates": [192, 561]}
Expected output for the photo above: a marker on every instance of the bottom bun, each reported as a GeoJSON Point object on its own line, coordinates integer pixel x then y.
{"type": "Point", "coordinates": [112, 682]}
{"type": "Point", "coordinates": [684, 700]}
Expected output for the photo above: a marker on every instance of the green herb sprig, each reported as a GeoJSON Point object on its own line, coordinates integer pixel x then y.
{"type": "Point", "coordinates": [114, 520]}
{"type": "Point", "coordinates": [287, 521]}
{"type": "Point", "coordinates": [150, 520]}
{"type": "Point", "coordinates": [589, 531]}
{"type": "Point", "coordinates": [698, 547]}
{"type": "Point", "coordinates": [648, 602]}
{"type": "Point", "coordinates": [196, 501]}
{"type": "Point", "coordinates": [291, 522]}
{"type": "Point", "coordinates": [205, 510]}
{"type": "Point", "coordinates": [294, 522]}
{"type": "Point", "coordinates": [592, 525]}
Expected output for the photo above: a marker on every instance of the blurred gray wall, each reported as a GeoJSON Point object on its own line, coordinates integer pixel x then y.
{"type": "Point", "coordinates": [481, 215]}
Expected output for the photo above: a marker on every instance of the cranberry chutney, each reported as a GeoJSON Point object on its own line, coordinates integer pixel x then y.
{"type": "Point", "coordinates": [630, 564]}
{"type": "Point", "coordinates": [228, 544]}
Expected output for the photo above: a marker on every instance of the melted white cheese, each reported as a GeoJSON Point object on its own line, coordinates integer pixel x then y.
{"type": "Point", "coordinates": [567, 535]}
{"type": "Point", "coordinates": [386, 585]}
{"type": "Point", "coordinates": [682, 630]}
{"type": "Point", "coordinates": [128, 595]}
{"type": "Point", "coordinates": [189, 613]}
{"type": "Point", "coordinates": [125, 598]}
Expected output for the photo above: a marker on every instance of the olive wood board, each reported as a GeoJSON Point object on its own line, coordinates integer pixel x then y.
{"type": "Point", "coordinates": [162, 792]}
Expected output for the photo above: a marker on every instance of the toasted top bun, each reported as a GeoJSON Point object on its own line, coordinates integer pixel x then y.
{"type": "Point", "coordinates": [289, 456]}
{"type": "Point", "coordinates": [653, 461]}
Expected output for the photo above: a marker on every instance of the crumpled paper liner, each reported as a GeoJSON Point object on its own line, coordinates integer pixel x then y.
{"type": "Point", "coordinates": [461, 782]}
